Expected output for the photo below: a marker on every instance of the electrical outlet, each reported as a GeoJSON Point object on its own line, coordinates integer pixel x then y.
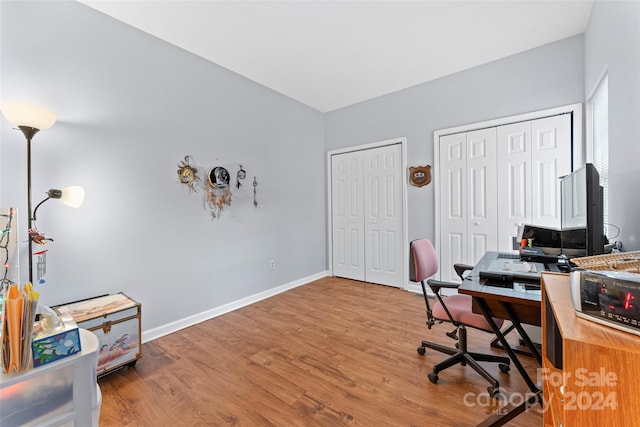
{"type": "Point", "coordinates": [272, 264]}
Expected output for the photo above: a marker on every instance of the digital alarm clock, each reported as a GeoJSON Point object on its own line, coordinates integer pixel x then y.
{"type": "Point", "coordinates": [607, 297]}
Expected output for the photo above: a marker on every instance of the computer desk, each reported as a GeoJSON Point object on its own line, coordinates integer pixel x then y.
{"type": "Point", "coordinates": [517, 305]}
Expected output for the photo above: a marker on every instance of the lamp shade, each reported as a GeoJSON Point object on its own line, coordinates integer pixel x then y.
{"type": "Point", "coordinates": [21, 114]}
{"type": "Point", "coordinates": [72, 196]}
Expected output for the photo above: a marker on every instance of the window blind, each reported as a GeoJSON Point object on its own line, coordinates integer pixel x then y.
{"type": "Point", "coordinates": [600, 139]}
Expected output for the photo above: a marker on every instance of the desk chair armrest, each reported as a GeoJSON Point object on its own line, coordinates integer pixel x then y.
{"type": "Point", "coordinates": [461, 269]}
{"type": "Point", "coordinates": [436, 285]}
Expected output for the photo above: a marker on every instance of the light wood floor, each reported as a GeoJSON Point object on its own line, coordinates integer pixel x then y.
{"type": "Point", "coordinates": [333, 352]}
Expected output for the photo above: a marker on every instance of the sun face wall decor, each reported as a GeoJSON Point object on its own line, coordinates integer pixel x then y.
{"type": "Point", "coordinates": [188, 174]}
{"type": "Point", "coordinates": [216, 182]}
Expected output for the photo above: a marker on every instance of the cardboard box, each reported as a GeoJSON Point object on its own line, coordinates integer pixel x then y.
{"type": "Point", "coordinates": [115, 320]}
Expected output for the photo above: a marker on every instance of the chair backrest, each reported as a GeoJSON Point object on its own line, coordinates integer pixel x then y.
{"type": "Point", "coordinates": [423, 260]}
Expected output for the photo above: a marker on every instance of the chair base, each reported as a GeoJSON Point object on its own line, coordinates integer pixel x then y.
{"type": "Point", "coordinates": [464, 357]}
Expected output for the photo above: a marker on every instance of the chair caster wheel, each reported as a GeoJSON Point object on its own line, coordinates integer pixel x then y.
{"type": "Point", "coordinates": [504, 367]}
{"type": "Point", "coordinates": [494, 392]}
{"type": "Point", "coordinates": [421, 351]}
{"type": "Point", "coordinates": [433, 377]}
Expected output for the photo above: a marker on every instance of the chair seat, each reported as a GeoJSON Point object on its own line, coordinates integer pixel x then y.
{"type": "Point", "coordinates": [460, 308]}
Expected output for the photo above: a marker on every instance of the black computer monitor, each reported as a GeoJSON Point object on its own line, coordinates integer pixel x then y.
{"type": "Point", "coordinates": [582, 219]}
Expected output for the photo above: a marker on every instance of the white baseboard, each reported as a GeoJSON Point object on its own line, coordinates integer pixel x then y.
{"type": "Point", "coordinates": [415, 288]}
{"type": "Point", "coordinates": [169, 328]}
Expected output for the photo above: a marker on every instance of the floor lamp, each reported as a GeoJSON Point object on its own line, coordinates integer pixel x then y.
{"type": "Point", "coordinates": [30, 120]}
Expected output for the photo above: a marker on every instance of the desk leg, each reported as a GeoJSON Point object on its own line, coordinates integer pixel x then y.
{"type": "Point", "coordinates": [507, 347]}
{"type": "Point", "coordinates": [499, 420]}
{"type": "Point", "coordinates": [523, 334]}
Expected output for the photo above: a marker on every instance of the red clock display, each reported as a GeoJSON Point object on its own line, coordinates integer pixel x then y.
{"type": "Point", "coordinates": [612, 298]}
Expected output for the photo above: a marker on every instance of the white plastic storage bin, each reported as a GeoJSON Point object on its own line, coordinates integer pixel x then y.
{"type": "Point", "coordinates": [64, 392]}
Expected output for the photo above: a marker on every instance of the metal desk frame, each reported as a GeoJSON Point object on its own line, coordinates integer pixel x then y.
{"type": "Point", "coordinates": [517, 305]}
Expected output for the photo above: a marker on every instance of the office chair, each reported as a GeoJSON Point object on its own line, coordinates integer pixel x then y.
{"type": "Point", "coordinates": [454, 309]}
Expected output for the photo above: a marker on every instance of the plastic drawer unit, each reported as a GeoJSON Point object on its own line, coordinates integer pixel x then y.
{"type": "Point", "coordinates": [61, 393]}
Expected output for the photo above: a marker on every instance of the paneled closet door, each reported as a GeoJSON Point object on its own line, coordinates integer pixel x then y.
{"type": "Point", "coordinates": [532, 156]}
{"type": "Point", "coordinates": [453, 205]}
{"type": "Point", "coordinates": [551, 159]}
{"type": "Point", "coordinates": [514, 181]}
{"type": "Point", "coordinates": [468, 207]}
{"type": "Point", "coordinates": [368, 216]}
{"type": "Point", "coordinates": [347, 215]}
{"type": "Point", "coordinates": [482, 194]}
{"type": "Point", "coordinates": [383, 175]}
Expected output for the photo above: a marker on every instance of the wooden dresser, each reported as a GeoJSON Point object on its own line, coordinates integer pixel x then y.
{"type": "Point", "coordinates": [596, 378]}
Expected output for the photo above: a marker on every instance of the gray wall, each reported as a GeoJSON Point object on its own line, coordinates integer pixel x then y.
{"type": "Point", "coordinates": [130, 107]}
{"type": "Point", "coordinates": [612, 43]}
{"type": "Point", "coordinates": [545, 77]}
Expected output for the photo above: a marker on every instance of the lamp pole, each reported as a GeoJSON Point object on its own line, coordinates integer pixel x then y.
{"type": "Point", "coordinates": [29, 132]}
{"type": "Point", "coordinates": [30, 120]}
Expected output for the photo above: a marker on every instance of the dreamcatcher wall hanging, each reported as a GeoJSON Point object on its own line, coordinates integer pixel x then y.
{"type": "Point", "coordinates": [216, 183]}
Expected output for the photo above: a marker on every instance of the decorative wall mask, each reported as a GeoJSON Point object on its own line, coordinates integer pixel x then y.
{"type": "Point", "coordinates": [420, 175]}
{"type": "Point", "coordinates": [188, 174]}
{"type": "Point", "coordinates": [216, 183]}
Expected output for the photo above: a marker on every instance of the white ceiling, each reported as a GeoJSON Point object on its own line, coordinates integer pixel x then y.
{"type": "Point", "coordinates": [331, 54]}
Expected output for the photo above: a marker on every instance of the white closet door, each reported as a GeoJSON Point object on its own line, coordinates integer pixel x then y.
{"type": "Point", "coordinates": [453, 203]}
{"type": "Point", "coordinates": [481, 194]}
{"type": "Point", "coordinates": [514, 181]}
{"type": "Point", "coordinates": [347, 215]}
{"type": "Point", "coordinates": [468, 209]}
{"type": "Point", "coordinates": [551, 159]}
{"type": "Point", "coordinates": [532, 156]}
{"type": "Point", "coordinates": [531, 152]}
{"type": "Point", "coordinates": [383, 175]}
